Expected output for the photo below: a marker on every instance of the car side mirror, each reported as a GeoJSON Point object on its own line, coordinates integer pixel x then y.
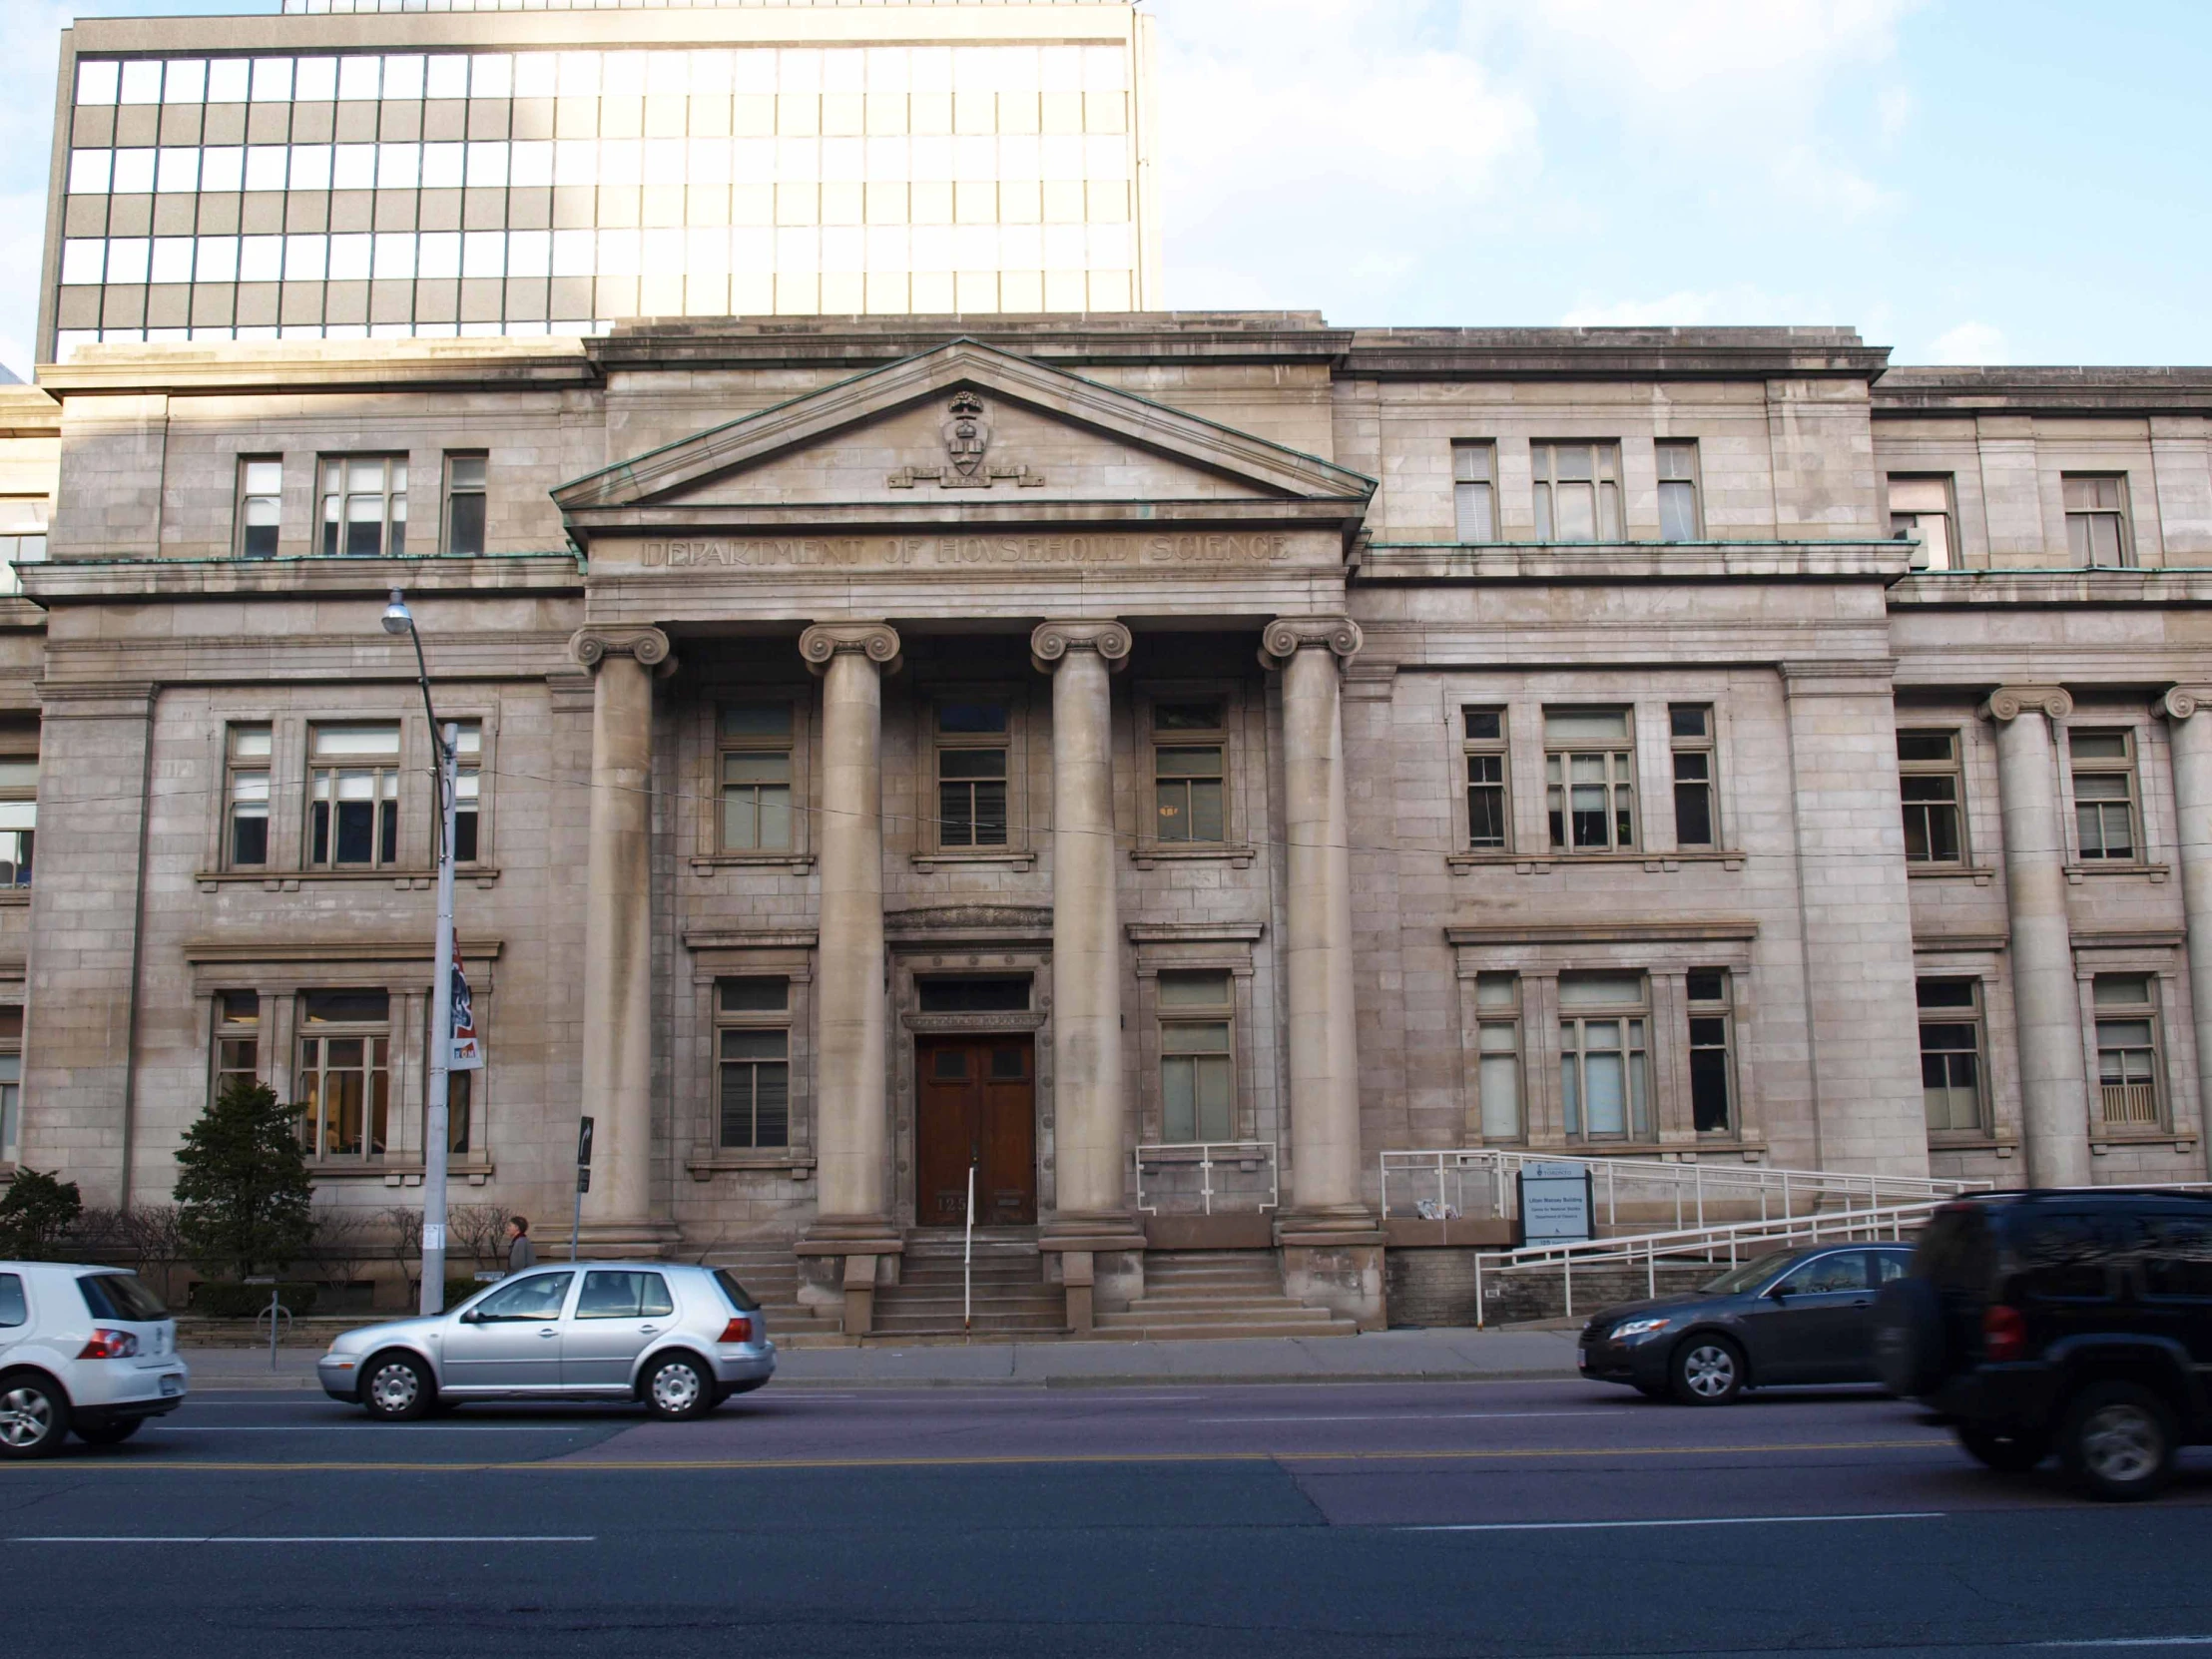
{"type": "Point", "coordinates": [473, 1316]}
{"type": "Point", "coordinates": [1781, 1293]}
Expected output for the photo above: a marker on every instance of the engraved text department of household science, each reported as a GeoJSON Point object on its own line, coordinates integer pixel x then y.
{"type": "Point", "coordinates": [968, 552]}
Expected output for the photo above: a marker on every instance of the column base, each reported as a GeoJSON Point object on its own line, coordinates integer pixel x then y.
{"type": "Point", "coordinates": [620, 1239]}
{"type": "Point", "coordinates": [1333, 1258]}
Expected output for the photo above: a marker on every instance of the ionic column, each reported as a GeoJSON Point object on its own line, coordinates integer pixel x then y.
{"type": "Point", "coordinates": [1324, 1051]}
{"type": "Point", "coordinates": [618, 927]}
{"type": "Point", "coordinates": [854, 1120]}
{"type": "Point", "coordinates": [2055, 1095]}
{"type": "Point", "coordinates": [1088, 1091]}
{"type": "Point", "coordinates": [2189, 732]}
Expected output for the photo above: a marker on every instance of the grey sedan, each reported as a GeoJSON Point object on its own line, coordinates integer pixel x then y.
{"type": "Point", "coordinates": [680, 1339]}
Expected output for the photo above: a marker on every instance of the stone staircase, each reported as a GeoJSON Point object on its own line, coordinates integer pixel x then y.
{"type": "Point", "coordinates": [1011, 1300]}
{"type": "Point", "coordinates": [771, 1272]}
{"type": "Point", "coordinates": [1217, 1292]}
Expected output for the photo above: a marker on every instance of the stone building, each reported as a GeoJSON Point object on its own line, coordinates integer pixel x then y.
{"type": "Point", "coordinates": [1047, 745]}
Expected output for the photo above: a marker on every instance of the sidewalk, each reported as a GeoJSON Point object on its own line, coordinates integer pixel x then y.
{"type": "Point", "coordinates": [1381, 1357]}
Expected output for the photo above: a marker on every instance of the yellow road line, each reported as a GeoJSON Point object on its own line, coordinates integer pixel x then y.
{"type": "Point", "coordinates": [1010, 1461]}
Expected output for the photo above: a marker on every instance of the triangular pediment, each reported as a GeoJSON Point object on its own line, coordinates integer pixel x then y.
{"type": "Point", "coordinates": [965, 424]}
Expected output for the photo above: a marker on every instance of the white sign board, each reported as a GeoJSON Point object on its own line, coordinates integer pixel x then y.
{"type": "Point", "coordinates": [1554, 1202]}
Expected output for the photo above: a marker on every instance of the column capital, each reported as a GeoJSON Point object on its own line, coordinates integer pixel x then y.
{"type": "Point", "coordinates": [1052, 641]}
{"type": "Point", "coordinates": [876, 641]}
{"type": "Point", "coordinates": [593, 646]}
{"type": "Point", "coordinates": [2180, 702]}
{"type": "Point", "coordinates": [1286, 636]}
{"type": "Point", "coordinates": [2009, 703]}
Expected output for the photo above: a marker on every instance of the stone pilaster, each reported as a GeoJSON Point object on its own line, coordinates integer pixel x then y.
{"type": "Point", "coordinates": [2054, 1091]}
{"type": "Point", "coordinates": [853, 1222]}
{"type": "Point", "coordinates": [1332, 1250]}
{"type": "Point", "coordinates": [2188, 712]}
{"type": "Point", "coordinates": [618, 934]}
{"type": "Point", "coordinates": [1088, 1089]}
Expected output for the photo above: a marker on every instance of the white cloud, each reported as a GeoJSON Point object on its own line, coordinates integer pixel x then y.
{"type": "Point", "coordinates": [1969, 344]}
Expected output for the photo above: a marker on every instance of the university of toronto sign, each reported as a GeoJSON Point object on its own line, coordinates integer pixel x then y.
{"type": "Point", "coordinates": [1225, 548]}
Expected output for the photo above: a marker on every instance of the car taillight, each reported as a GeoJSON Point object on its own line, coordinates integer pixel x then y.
{"type": "Point", "coordinates": [110, 1345]}
{"type": "Point", "coordinates": [739, 1330]}
{"type": "Point", "coordinates": [2003, 1332]}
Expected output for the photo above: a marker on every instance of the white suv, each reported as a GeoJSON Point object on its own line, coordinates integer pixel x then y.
{"type": "Point", "coordinates": [88, 1350]}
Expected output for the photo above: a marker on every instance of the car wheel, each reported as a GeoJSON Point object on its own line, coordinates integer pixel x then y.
{"type": "Point", "coordinates": [109, 1431]}
{"type": "Point", "coordinates": [2119, 1442]}
{"type": "Point", "coordinates": [397, 1388]}
{"type": "Point", "coordinates": [2006, 1454]}
{"type": "Point", "coordinates": [34, 1417]}
{"type": "Point", "coordinates": [678, 1386]}
{"type": "Point", "coordinates": [1707, 1371]}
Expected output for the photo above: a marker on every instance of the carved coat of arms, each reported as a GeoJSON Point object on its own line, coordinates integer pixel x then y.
{"type": "Point", "coordinates": [966, 430]}
{"type": "Point", "coordinates": [968, 434]}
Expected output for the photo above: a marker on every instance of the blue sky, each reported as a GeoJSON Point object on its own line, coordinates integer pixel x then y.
{"type": "Point", "coordinates": [1962, 182]}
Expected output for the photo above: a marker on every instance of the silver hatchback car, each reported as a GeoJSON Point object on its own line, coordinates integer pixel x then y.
{"type": "Point", "coordinates": [681, 1338]}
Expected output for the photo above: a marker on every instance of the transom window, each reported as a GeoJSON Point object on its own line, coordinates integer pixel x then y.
{"type": "Point", "coordinates": [972, 746]}
{"type": "Point", "coordinates": [1952, 1067]}
{"type": "Point", "coordinates": [1604, 1091]}
{"type": "Point", "coordinates": [1920, 508]}
{"type": "Point", "coordinates": [752, 1061]}
{"type": "Point", "coordinates": [2106, 813]}
{"type": "Point", "coordinates": [353, 796]}
{"type": "Point", "coordinates": [2097, 518]}
{"type": "Point", "coordinates": [1712, 1057]}
{"type": "Point", "coordinates": [1589, 779]}
{"type": "Point", "coordinates": [2127, 1050]}
{"type": "Point", "coordinates": [1489, 817]}
{"type": "Point", "coordinates": [246, 836]}
{"type": "Point", "coordinates": [1190, 778]}
{"type": "Point", "coordinates": [1929, 781]}
{"type": "Point", "coordinates": [344, 1074]}
{"type": "Point", "coordinates": [1198, 1099]}
{"type": "Point", "coordinates": [754, 762]}
{"type": "Point", "coordinates": [364, 506]}
{"type": "Point", "coordinates": [1696, 809]}
{"type": "Point", "coordinates": [261, 502]}
{"type": "Point", "coordinates": [1679, 518]}
{"type": "Point", "coordinates": [238, 1039]}
{"type": "Point", "coordinates": [1498, 1055]}
{"type": "Point", "coordinates": [1579, 491]}
{"type": "Point", "coordinates": [1474, 490]}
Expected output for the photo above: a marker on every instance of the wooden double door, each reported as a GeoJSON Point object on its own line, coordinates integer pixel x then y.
{"type": "Point", "coordinates": [977, 1107]}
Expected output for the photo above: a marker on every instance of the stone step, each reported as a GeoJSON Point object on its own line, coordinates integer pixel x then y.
{"type": "Point", "coordinates": [897, 1325]}
{"type": "Point", "coordinates": [1318, 1324]}
{"type": "Point", "coordinates": [1282, 1312]}
{"type": "Point", "coordinates": [1226, 1308]}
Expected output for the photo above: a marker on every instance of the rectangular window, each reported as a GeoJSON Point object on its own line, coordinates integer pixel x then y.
{"type": "Point", "coordinates": [246, 791]}
{"type": "Point", "coordinates": [1695, 808]}
{"type": "Point", "coordinates": [972, 740]}
{"type": "Point", "coordinates": [261, 497]}
{"type": "Point", "coordinates": [1190, 782]}
{"type": "Point", "coordinates": [345, 1074]}
{"type": "Point", "coordinates": [1474, 490]}
{"type": "Point", "coordinates": [465, 503]}
{"type": "Point", "coordinates": [1579, 491]}
{"type": "Point", "coordinates": [1197, 1082]}
{"type": "Point", "coordinates": [2097, 520]}
{"type": "Point", "coordinates": [11, 1085]}
{"type": "Point", "coordinates": [18, 810]}
{"type": "Point", "coordinates": [2105, 812]}
{"type": "Point", "coordinates": [353, 796]}
{"type": "Point", "coordinates": [238, 1039]}
{"type": "Point", "coordinates": [1603, 1086]}
{"type": "Point", "coordinates": [1712, 1061]}
{"type": "Point", "coordinates": [364, 506]}
{"type": "Point", "coordinates": [754, 762]}
{"type": "Point", "coordinates": [1590, 779]}
{"type": "Point", "coordinates": [469, 791]}
{"type": "Point", "coordinates": [1951, 1055]}
{"type": "Point", "coordinates": [1489, 817]}
{"type": "Point", "coordinates": [1499, 1059]}
{"type": "Point", "coordinates": [1679, 518]}
{"type": "Point", "coordinates": [2127, 1050]}
{"type": "Point", "coordinates": [1920, 510]}
{"type": "Point", "coordinates": [752, 1060]}
{"type": "Point", "coordinates": [1933, 794]}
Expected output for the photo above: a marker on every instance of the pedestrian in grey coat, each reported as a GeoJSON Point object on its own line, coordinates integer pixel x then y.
{"type": "Point", "coordinates": [521, 1253]}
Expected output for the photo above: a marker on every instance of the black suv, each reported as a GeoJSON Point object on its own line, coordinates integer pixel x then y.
{"type": "Point", "coordinates": [2075, 1320]}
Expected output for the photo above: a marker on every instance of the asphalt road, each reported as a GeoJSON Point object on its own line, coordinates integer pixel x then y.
{"type": "Point", "coordinates": [1280, 1521]}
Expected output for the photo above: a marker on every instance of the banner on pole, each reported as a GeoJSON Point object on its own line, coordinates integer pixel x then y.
{"type": "Point", "coordinates": [469, 1048]}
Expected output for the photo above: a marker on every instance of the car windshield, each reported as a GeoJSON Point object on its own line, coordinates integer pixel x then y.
{"type": "Point", "coordinates": [1736, 1280]}
{"type": "Point", "coordinates": [119, 1295]}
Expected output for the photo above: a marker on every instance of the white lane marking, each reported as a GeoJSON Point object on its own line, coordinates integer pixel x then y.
{"type": "Point", "coordinates": [350, 1538]}
{"type": "Point", "coordinates": [1413, 1416]}
{"type": "Point", "coordinates": [1711, 1520]}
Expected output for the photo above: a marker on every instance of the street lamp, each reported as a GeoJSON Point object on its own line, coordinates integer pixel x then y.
{"type": "Point", "coordinates": [399, 620]}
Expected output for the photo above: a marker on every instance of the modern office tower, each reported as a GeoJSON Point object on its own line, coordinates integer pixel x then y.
{"type": "Point", "coordinates": [372, 170]}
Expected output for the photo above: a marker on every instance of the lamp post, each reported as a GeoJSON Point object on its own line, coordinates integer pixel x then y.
{"type": "Point", "coordinates": [399, 620]}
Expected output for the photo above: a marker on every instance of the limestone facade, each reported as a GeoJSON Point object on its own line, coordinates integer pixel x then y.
{"type": "Point", "coordinates": [1216, 728]}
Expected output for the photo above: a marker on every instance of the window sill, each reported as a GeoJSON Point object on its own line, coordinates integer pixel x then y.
{"type": "Point", "coordinates": [706, 863]}
{"type": "Point", "coordinates": [1229, 853]}
{"type": "Point", "coordinates": [14, 896]}
{"type": "Point", "coordinates": [1544, 864]}
{"type": "Point", "coordinates": [992, 858]}
{"type": "Point", "coordinates": [2100, 1144]}
{"type": "Point", "coordinates": [2157, 872]}
{"type": "Point", "coordinates": [1980, 875]}
{"type": "Point", "coordinates": [2004, 1146]}
{"type": "Point", "coordinates": [1673, 1151]}
{"type": "Point", "coordinates": [706, 1166]}
{"type": "Point", "coordinates": [408, 1174]}
{"type": "Point", "coordinates": [289, 880]}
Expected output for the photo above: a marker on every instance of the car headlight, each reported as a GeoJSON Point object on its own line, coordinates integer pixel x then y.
{"type": "Point", "coordinates": [1639, 1328]}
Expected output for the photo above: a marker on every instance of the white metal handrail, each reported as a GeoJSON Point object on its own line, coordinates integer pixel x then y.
{"type": "Point", "coordinates": [1246, 1155]}
{"type": "Point", "coordinates": [967, 1257]}
{"type": "Point", "coordinates": [1488, 1173]}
